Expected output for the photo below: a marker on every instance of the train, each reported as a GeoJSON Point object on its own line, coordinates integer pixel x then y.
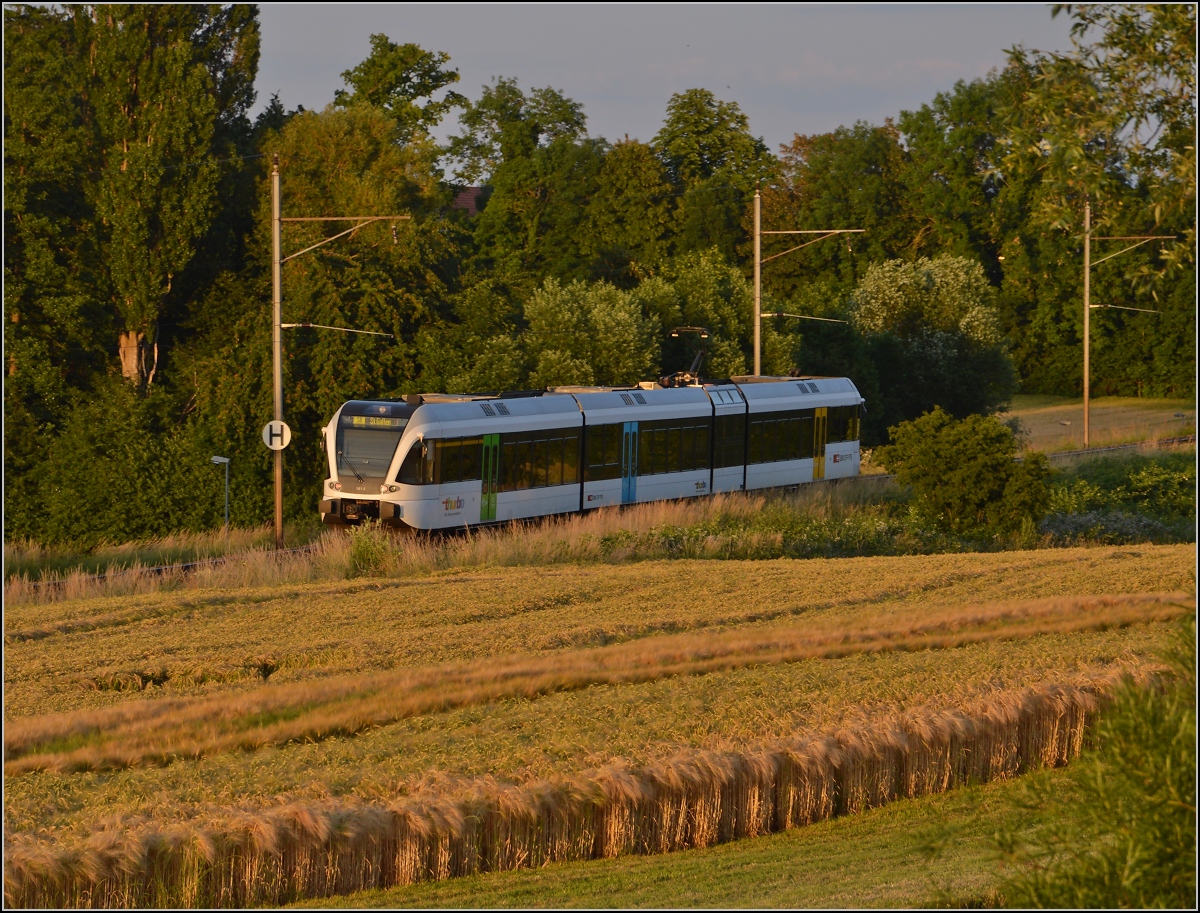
{"type": "Point", "coordinates": [442, 461]}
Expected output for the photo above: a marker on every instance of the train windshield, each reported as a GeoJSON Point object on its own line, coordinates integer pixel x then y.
{"type": "Point", "coordinates": [366, 443]}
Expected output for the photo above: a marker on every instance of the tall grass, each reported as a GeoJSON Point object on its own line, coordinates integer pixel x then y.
{"type": "Point", "coordinates": [832, 521]}
{"type": "Point", "coordinates": [868, 516]}
{"type": "Point", "coordinates": [35, 561]}
{"type": "Point", "coordinates": [696, 798]}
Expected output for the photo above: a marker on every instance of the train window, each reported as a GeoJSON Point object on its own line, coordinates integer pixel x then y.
{"type": "Point", "coordinates": [554, 461]}
{"type": "Point", "coordinates": [782, 436]}
{"type": "Point", "coordinates": [571, 459]}
{"type": "Point", "coordinates": [544, 462]}
{"type": "Point", "coordinates": [806, 434]}
{"type": "Point", "coordinates": [842, 424]}
{"type": "Point", "coordinates": [700, 451]}
{"type": "Point", "coordinates": [417, 468]}
{"type": "Point", "coordinates": [447, 461]}
{"type": "Point", "coordinates": [539, 459]}
{"type": "Point", "coordinates": [366, 452]}
{"type": "Point", "coordinates": [672, 445]}
{"type": "Point", "coordinates": [729, 441]}
{"type": "Point", "coordinates": [675, 457]}
{"type": "Point", "coordinates": [472, 458]}
{"type": "Point", "coordinates": [508, 465]}
{"type": "Point", "coordinates": [603, 458]}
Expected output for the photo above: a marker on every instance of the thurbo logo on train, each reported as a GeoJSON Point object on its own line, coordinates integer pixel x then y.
{"type": "Point", "coordinates": [574, 449]}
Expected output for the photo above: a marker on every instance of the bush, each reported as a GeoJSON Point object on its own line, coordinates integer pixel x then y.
{"type": "Point", "coordinates": [1163, 485]}
{"type": "Point", "coordinates": [964, 474]}
{"type": "Point", "coordinates": [369, 550]}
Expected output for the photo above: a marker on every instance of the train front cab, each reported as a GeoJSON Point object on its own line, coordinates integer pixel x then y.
{"type": "Point", "coordinates": [360, 443]}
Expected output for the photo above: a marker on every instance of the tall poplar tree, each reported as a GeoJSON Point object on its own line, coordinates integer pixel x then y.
{"type": "Point", "coordinates": [151, 100]}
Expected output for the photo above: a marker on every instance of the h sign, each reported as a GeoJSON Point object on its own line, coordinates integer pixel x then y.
{"type": "Point", "coordinates": [276, 435]}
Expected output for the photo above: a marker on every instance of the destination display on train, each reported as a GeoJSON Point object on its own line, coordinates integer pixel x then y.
{"type": "Point", "coordinates": [373, 421]}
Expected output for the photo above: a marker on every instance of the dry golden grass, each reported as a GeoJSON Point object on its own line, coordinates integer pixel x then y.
{"type": "Point", "coordinates": [606, 535]}
{"type": "Point", "coordinates": [564, 733]}
{"type": "Point", "coordinates": [1114, 420]}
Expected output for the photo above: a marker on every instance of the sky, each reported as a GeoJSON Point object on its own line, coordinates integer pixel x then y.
{"type": "Point", "coordinates": [792, 68]}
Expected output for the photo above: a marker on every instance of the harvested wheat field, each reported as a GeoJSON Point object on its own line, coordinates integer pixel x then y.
{"type": "Point", "coordinates": [243, 746]}
{"type": "Point", "coordinates": [1056, 422]}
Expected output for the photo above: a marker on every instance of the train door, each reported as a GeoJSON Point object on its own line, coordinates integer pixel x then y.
{"type": "Point", "coordinates": [629, 452]}
{"type": "Point", "coordinates": [820, 422]}
{"type": "Point", "coordinates": [491, 476]}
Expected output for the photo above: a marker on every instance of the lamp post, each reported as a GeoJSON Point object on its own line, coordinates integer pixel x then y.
{"type": "Point", "coordinates": [224, 461]}
{"type": "Point", "coordinates": [759, 260]}
{"type": "Point", "coordinates": [277, 326]}
{"type": "Point", "coordinates": [1088, 307]}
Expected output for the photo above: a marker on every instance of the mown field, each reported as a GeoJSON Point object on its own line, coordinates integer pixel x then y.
{"type": "Point", "coordinates": [1055, 423]}
{"type": "Point", "coordinates": [212, 708]}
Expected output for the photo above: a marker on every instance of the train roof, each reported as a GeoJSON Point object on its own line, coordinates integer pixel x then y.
{"type": "Point", "coordinates": [647, 399]}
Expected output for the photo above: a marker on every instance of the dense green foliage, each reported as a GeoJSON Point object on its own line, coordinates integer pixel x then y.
{"type": "Point", "coordinates": [137, 255]}
{"type": "Point", "coordinates": [1129, 839]}
{"type": "Point", "coordinates": [964, 475]}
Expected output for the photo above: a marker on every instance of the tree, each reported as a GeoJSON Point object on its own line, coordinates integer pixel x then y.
{"type": "Point", "coordinates": [395, 77]}
{"type": "Point", "coordinates": [1123, 104]}
{"type": "Point", "coordinates": [1112, 123]}
{"type": "Point", "coordinates": [505, 124]}
{"type": "Point", "coordinates": [964, 475]}
{"type": "Point", "coordinates": [151, 100]}
{"type": "Point", "coordinates": [629, 217]}
{"type": "Point", "coordinates": [714, 164]}
{"type": "Point", "coordinates": [703, 136]}
{"type": "Point", "coordinates": [935, 334]}
{"type": "Point", "coordinates": [383, 278]}
{"type": "Point", "coordinates": [534, 223]}
{"type": "Point", "coordinates": [851, 178]}
{"type": "Point", "coordinates": [583, 333]}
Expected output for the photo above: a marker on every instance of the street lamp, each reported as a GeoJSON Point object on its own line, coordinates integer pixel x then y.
{"type": "Point", "coordinates": [224, 461]}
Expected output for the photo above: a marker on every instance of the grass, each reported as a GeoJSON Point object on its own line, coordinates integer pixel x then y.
{"type": "Point", "coordinates": [36, 561]}
{"type": "Point", "coordinates": [159, 735]}
{"type": "Point", "coordinates": [877, 859]}
{"type": "Point", "coordinates": [1055, 423]}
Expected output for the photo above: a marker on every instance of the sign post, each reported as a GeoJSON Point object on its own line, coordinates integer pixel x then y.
{"type": "Point", "coordinates": [276, 435]}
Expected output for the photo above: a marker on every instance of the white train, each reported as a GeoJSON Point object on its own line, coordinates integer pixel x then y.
{"type": "Point", "coordinates": [438, 461]}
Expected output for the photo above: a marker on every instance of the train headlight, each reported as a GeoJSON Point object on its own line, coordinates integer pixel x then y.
{"type": "Point", "coordinates": [393, 488]}
{"type": "Point", "coordinates": [336, 486]}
